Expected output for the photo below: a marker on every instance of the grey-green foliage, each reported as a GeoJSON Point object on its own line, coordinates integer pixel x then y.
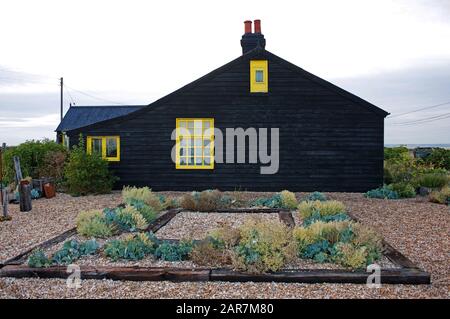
{"type": "Point", "coordinates": [73, 250]}
{"type": "Point", "coordinates": [174, 251]}
{"type": "Point", "coordinates": [131, 248]}
{"type": "Point", "coordinates": [38, 259]}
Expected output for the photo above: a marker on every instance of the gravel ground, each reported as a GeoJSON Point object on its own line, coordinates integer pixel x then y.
{"type": "Point", "coordinates": [196, 225]}
{"type": "Point", "coordinates": [418, 229]}
{"type": "Point", "coordinates": [25, 230]}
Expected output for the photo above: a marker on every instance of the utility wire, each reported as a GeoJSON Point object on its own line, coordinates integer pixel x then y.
{"type": "Point", "coordinates": [418, 110]}
{"type": "Point", "coordinates": [93, 96]}
{"type": "Point", "coordinates": [424, 120]}
{"type": "Point", "coordinates": [70, 95]}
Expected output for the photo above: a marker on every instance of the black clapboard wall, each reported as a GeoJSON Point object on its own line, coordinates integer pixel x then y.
{"type": "Point", "coordinates": [330, 140]}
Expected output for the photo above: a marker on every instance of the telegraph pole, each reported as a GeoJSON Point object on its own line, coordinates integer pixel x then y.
{"type": "Point", "coordinates": [62, 83]}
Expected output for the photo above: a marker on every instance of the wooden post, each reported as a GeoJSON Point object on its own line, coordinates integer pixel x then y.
{"type": "Point", "coordinates": [19, 176]}
{"type": "Point", "coordinates": [25, 197]}
{"type": "Point", "coordinates": [3, 192]}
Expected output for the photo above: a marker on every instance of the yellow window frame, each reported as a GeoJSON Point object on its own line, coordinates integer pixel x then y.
{"type": "Point", "coordinates": [104, 139]}
{"type": "Point", "coordinates": [259, 87]}
{"type": "Point", "coordinates": [180, 134]}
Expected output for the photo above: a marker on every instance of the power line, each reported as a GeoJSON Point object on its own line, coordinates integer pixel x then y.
{"type": "Point", "coordinates": [70, 95]}
{"type": "Point", "coordinates": [424, 120]}
{"type": "Point", "coordinates": [93, 96]}
{"type": "Point", "coordinates": [418, 110]}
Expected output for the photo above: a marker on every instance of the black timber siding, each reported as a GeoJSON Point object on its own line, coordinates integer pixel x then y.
{"type": "Point", "coordinates": [327, 141]}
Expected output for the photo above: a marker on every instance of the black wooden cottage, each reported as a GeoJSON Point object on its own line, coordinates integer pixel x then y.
{"type": "Point", "coordinates": [329, 139]}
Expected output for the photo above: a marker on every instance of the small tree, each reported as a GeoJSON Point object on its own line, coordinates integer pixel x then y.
{"type": "Point", "coordinates": [87, 173]}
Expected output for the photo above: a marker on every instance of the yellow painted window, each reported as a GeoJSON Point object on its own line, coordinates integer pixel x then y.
{"type": "Point", "coordinates": [259, 76]}
{"type": "Point", "coordinates": [107, 146]}
{"type": "Point", "coordinates": [195, 143]}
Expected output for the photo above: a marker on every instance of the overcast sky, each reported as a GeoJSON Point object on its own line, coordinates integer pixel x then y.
{"type": "Point", "coordinates": [395, 54]}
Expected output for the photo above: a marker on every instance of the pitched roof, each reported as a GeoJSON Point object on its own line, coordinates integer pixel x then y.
{"type": "Point", "coordinates": [80, 116]}
{"type": "Point", "coordinates": [258, 52]}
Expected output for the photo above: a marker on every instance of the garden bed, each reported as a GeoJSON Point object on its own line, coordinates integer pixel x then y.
{"type": "Point", "coordinates": [396, 269]}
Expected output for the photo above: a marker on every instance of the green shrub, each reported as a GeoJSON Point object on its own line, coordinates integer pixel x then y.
{"type": "Point", "coordinates": [439, 158]}
{"type": "Point", "coordinates": [395, 153]}
{"type": "Point", "coordinates": [271, 202]}
{"type": "Point", "coordinates": [33, 156]}
{"type": "Point", "coordinates": [225, 236]}
{"type": "Point", "coordinates": [288, 200]}
{"type": "Point", "coordinates": [332, 232]}
{"type": "Point", "coordinates": [208, 200]}
{"type": "Point", "coordinates": [133, 247]}
{"type": "Point", "coordinates": [143, 194]}
{"type": "Point", "coordinates": [350, 256]}
{"type": "Point", "coordinates": [315, 196]}
{"type": "Point", "coordinates": [87, 173]}
{"type": "Point", "coordinates": [441, 197]}
{"type": "Point", "coordinates": [73, 250]}
{"type": "Point", "coordinates": [405, 169]}
{"type": "Point", "coordinates": [285, 199]}
{"type": "Point", "coordinates": [382, 192]}
{"type": "Point", "coordinates": [208, 253]}
{"type": "Point", "coordinates": [146, 211]}
{"type": "Point", "coordinates": [403, 190]}
{"type": "Point", "coordinates": [263, 246]}
{"type": "Point", "coordinates": [433, 180]}
{"type": "Point", "coordinates": [129, 219]}
{"type": "Point", "coordinates": [347, 243]}
{"type": "Point", "coordinates": [38, 259]}
{"type": "Point", "coordinates": [53, 166]}
{"type": "Point", "coordinates": [316, 216]}
{"type": "Point", "coordinates": [174, 251]}
{"type": "Point", "coordinates": [94, 224]}
{"type": "Point", "coordinates": [387, 176]}
{"type": "Point", "coordinates": [330, 207]}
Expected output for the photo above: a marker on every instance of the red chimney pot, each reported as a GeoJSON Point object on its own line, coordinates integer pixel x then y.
{"type": "Point", "coordinates": [257, 26]}
{"type": "Point", "coordinates": [248, 26]}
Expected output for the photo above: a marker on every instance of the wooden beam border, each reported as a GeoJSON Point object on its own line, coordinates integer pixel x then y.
{"type": "Point", "coordinates": [407, 273]}
{"type": "Point", "coordinates": [389, 276]}
{"type": "Point", "coordinates": [154, 226]}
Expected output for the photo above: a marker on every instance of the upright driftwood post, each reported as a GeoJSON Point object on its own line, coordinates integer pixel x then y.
{"type": "Point", "coordinates": [25, 197]}
{"type": "Point", "coordinates": [17, 168]}
{"type": "Point", "coordinates": [3, 192]}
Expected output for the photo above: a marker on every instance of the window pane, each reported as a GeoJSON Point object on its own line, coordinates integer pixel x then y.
{"type": "Point", "coordinates": [198, 161]}
{"type": "Point", "coordinates": [198, 152]}
{"type": "Point", "coordinates": [111, 147]}
{"type": "Point", "coordinates": [206, 152]}
{"type": "Point", "coordinates": [207, 161]}
{"type": "Point", "coordinates": [96, 145]}
{"type": "Point", "coordinates": [182, 124]}
{"type": "Point", "coordinates": [206, 142]}
{"type": "Point", "coordinates": [259, 76]}
{"type": "Point", "coordinates": [198, 142]}
{"type": "Point", "coordinates": [191, 161]}
{"type": "Point", "coordinates": [183, 160]}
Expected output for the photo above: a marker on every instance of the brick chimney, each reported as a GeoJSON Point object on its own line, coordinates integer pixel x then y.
{"type": "Point", "coordinates": [251, 40]}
